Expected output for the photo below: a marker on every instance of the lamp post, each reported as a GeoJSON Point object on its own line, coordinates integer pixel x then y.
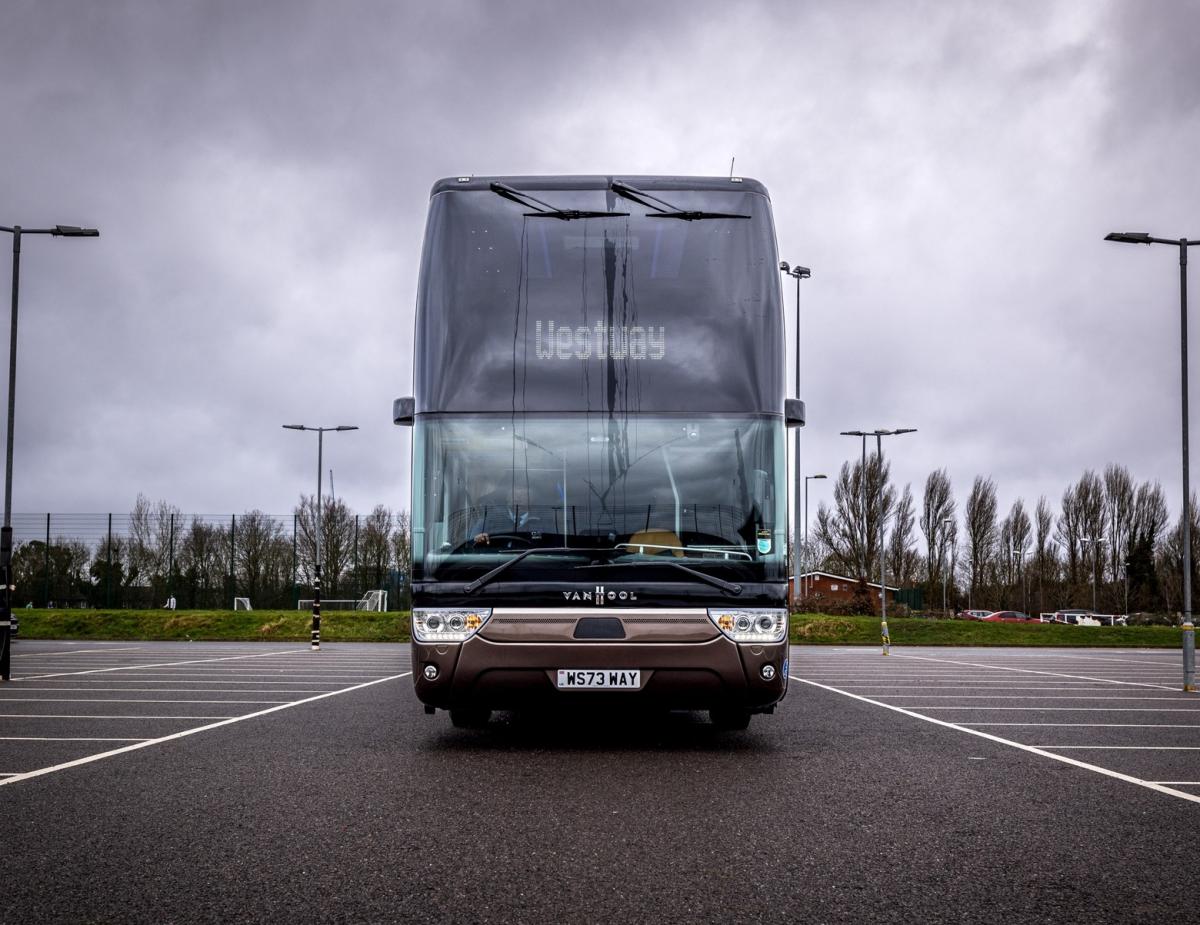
{"type": "Point", "coordinates": [6, 541]}
{"type": "Point", "coordinates": [1126, 564]}
{"type": "Point", "coordinates": [1189, 637]}
{"type": "Point", "coordinates": [798, 273]}
{"type": "Point", "coordinates": [878, 434]}
{"type": "Point", "coordinates": [316, 611]}
{"type": "Point", "coordinates": [806, 480]}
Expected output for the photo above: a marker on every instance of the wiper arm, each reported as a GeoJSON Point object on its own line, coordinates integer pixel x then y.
{"type": "Point", "coordinates": [662, 208]}
{"type": "Point", "coordinates": [544, 209]}
{"type": "Point", "coordinates": [721, 583]}
{"type": "Point", "coordinates": [491, 576]}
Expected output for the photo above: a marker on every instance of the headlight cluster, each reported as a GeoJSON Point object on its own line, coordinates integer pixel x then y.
{"type": "Point", "coordinates": [751, 624]}
{"type": "Point", "coordinates": [447, 624]}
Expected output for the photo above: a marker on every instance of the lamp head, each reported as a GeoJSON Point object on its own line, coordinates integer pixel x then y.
{"type": "Point", "coordinates": [853, 433]}
{"type": "Point", "coordinates": [74, 231]}
{"type": "Point", "coordinates": [294, 427]}
{"type": "Point", "coordinates": [1129, 237]}
{"type": "Point", "coordinates": [346, 427]}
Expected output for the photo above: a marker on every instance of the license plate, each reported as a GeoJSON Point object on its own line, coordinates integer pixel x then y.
{"type": "Point", "coordinates": [598, 679]}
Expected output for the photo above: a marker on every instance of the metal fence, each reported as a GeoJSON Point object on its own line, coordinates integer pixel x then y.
{"type": "Point", "coordinates": [205, 560]}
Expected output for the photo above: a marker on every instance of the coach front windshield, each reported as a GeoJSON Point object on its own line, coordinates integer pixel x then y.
{"type": "Point", "coordinates": [707, 493]}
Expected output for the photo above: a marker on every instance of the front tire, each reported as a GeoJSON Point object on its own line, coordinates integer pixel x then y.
{"type": "Point", "coordinates": [470, 717]}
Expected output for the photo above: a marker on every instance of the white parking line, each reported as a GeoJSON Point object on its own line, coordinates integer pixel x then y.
{"type": "Point", "coordinates": [92, 716]}
{"type": "Point", "coordinates": [1126, 748]}
{"type": "Point", "coordinates": [125, 700]}
{"type": "Point", "coordinates": [57, 653]}
{"type": "Point", "coordinates": [63, 739]}
{"type": "Point", "coordinates": [1096, 725]}
{"type": "Point", "coordinates": [934, 706]}
{"type": "Point", "coordinates": [1056, 674]}
{"type": "Point", "coordinates": [1116, 697]}
{"type": "Point", "coordinates": [145, 743]}
{"type": "Point", "coordinates": [1191, 797]}
{"type": "Point", "coordinates": [224, 658]}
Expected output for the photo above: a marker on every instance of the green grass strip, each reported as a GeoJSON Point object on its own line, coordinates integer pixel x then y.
{"type": "Point", "coordinates": [360, 626]}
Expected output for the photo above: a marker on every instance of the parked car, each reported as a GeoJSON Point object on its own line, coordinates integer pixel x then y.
{"type": "Point", "coordinates": [1072, 616]}
{"type": "Point", "coordinates": [973, 614]}
{"type": "Point", "coordinates": [1008, 616]}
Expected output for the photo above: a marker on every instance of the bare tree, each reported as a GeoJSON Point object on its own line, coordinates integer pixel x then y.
{"type": "Point", "coordinates": [980, 515]}
{"type": "Point", "coordinates": [853, 539]}
{"type": "Point", "coordinates": [376, 546]}
{"type": "Point", "coordinates": [153, 532]}
{"type": "Point", "coordinates": [1044, 556]}
{"type": "Point", "coordinates": [901, 557]}
{"type": "Point", "coordinates": [262, 552]}
{"type": "Point", "coordinates": [938, 507]}
{"type": "Point", "coordinates": [337, 540]}
{"type": "Point", "coordinates": [1119, 500]}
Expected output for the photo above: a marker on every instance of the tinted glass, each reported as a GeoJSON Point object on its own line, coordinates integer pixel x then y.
{"type": "Point", "coordinates": [707, 493]}
{"type": "Point", "coordinates": [635, 312]}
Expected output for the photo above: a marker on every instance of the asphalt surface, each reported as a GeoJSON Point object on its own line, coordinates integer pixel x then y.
{"type": "Point", "coordinates": [131, 790]}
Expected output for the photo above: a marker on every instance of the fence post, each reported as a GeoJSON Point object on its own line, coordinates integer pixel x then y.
{"type": "Point", "coordinates": [47, 558]}
{"type": "Point", "coordinates": [357, 571]}
{"type": "Point", "coordinates": [108, 571]}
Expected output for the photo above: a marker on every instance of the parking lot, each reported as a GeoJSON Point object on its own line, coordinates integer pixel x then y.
{"type": "Point", "coordinates": [165, 782]}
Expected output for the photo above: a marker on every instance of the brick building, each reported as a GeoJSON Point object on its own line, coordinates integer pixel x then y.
{"type": "Point", "coordinates": [825, 586]}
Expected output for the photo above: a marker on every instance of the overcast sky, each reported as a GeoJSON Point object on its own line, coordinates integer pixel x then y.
{"type": "Point", "coordinates": [260, 173]}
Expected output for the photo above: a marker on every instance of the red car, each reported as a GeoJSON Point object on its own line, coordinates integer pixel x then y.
{"type": "Point", "coordinates": [1008, 616]}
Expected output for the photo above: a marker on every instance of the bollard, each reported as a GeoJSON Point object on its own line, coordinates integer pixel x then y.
{"type": "Point", "coordinates": [1189, 658]}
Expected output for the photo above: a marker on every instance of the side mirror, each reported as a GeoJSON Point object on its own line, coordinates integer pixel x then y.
{"type": "Point", "coordinates": [404, 410]}
{"type": "Point", "coordinates": [793, 412]}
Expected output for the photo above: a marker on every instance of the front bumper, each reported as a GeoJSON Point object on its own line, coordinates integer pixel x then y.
{"type": "Point", "coordinates": [482, 673]}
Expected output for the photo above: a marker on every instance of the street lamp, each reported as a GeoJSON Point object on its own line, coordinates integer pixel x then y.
{"type": "Point", "coordinates": [1189, 637]}
{"type": "Point", "coordinates": [6, 543]}
{"type": "Point", "coordinates": [316, 610]}
{"type": "Point", "coordinates": [878, 434]}
{"type": "Point", "coordinates": [806, 480]}
{"type": "Point", "coordinates": [798, 273]}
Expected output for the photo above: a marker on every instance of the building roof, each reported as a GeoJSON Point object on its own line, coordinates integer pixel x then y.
{"type": "Point", "coordinates": [870, 584]}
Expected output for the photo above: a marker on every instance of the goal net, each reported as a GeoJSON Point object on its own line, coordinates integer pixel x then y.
{"type": "Point", "coordinates": [242, 603]}
{"type": "Point", "coordinates": [374, 601]}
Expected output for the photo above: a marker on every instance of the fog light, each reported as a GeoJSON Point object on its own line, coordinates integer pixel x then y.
{"type": "Point", "coordinates": [430, 672]}
{"type": "Point", "coordinates": [767, 672]}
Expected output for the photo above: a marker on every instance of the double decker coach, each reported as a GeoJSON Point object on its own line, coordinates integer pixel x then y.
{"type": "Point", "coordinates": [599, 474]}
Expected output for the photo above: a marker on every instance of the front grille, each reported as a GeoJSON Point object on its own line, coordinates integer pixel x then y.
{"type": "Point", "coordinates": [599, 628]}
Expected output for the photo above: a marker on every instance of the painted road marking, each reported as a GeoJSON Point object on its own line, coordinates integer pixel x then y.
{"type": "Point", "coordinates": [225, 658]}
{"type": "Point", "coordinates": [146, 743]}
{"type": "Point", "coordinates": [1056, 674]}
{"type": "Point", "coordinates": [58, 652]}
{"type": "Point", "coordinates": [1179, 794]}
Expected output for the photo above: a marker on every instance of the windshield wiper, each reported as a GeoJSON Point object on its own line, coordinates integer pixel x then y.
{"type": "Point", "coordinates": [544, 209]}
{"type": "Point", "coordinates": [491, 576]}
{"type": "Point", "coordinates": [662, 208]}
{"type": "Point", "coordinates": [711, 579]}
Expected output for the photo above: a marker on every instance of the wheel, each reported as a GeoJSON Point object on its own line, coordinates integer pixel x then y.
{"type": "Point", "coordinates": [729, 719]}
{"type": "Point", "coordinates": [470, 717]}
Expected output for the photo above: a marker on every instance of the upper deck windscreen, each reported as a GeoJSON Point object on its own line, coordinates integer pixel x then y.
{"type": "Point", "coordinates": [616, 312]}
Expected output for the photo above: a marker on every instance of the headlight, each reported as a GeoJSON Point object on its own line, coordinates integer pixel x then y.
{"type": "Point", "coordinates": [447, 624]}
{"type": "Point", "coordinates": [751, 625]}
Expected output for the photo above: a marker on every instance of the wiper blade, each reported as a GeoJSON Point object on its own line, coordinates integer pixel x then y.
{"type": "Point", "coordinates": [721, 583]}
{"type": "Point", "coordinates": [544, 209]}
{"type": "Point", "coordinates": [662, 208]}
{"type": "Point", "coordinates": [503, 566]}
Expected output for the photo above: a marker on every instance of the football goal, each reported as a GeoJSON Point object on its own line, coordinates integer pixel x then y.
{"type": "Point", "coordinates": [372, 600]}
{"type": "Point", "coordinates": [242, 603]}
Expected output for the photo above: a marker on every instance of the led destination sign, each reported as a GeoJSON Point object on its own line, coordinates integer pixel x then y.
{"type": "Point", "coordinates": [603, 341]}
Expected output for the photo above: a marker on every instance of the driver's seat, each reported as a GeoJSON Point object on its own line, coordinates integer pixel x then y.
{"type": "Point", "coordinates": [656, 543]}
